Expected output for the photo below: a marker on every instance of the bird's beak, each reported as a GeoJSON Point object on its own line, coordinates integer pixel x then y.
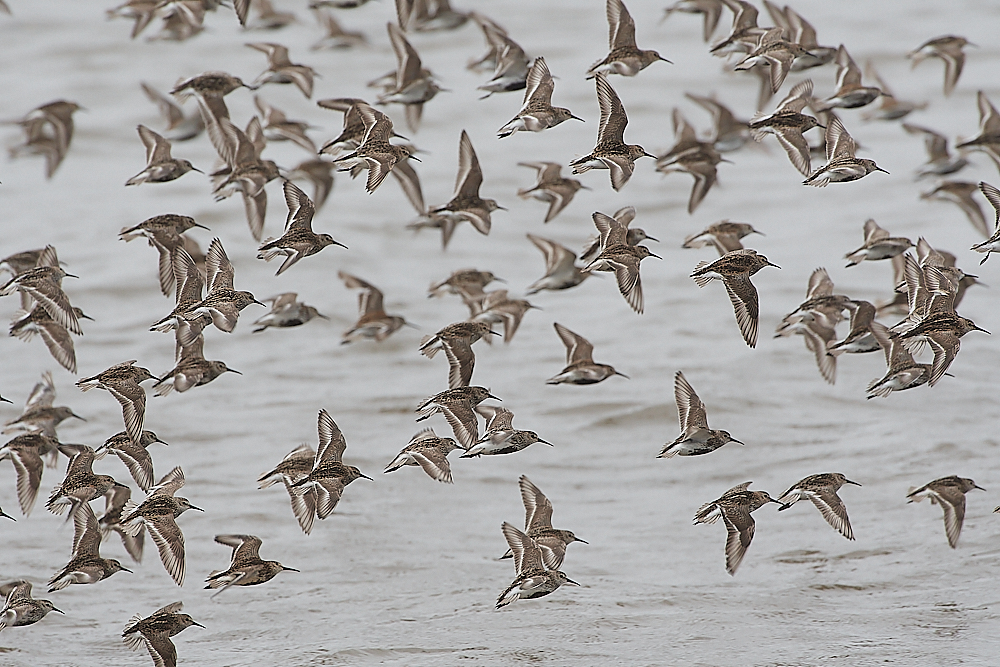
{"type": "Point", "coordinates": [87, 317]}
{"type": "Point", "coordinates": [500, 280]}
{"type": "Point", "coordinates": [59, 610]}
{"type": "Point", "coordinates": [493, 332]}
{"type": "Point", "coordinates": [650, 238]}
{"type": "Point", "coordinates": [546, 443]}
{"type": "Point", "coordinates": [341, 245]}
{"type": "Point", "coordinates": [575, 118]}
{"type": "Point", "coordinates": [494, 397]}
{"type": "Point", "coordinates": [756, 232]}
{"type": "Point", "coordinates": [410, 324]}
{"type": "Point", "coordinates": [579, 540]}
{"type": "Point", "coordinates": [656, 256]}
{"type": "Point", "coordinates": [289, 569]}
{"type": "Point", "coordinates": [881, 169]}
{"type": "Point", "coordinates": [983, 330]}
{"type": "Point", "coordinates": [195, 508]}
{"type": "Point", "coordinates": [125, 569]}
{"type": "Point", "coordinates": [193, 168]}
{"type": "Point", "coordinates": [664, 59]}
{"type": "Point", "coordinates": [259, 303]}
{"type": "Point", "coordinates": [978, 487]}
{"type": "Point", "coordinates": [722, 159]}
{"type": "Point", "coordinates": [774, 265]}
{"type": "Point", "coordinates": [847, 481]}
{"type": "Point", "coordinates": [584, 187]}
{"type": "Point", "coordinates": [501, 208]}
{"type": "Point", "coordinates": [199, 226]}
{"type": "Point", "coordinates": [367, 477]}
{"type": "Point", "coordinates": [572, 583]}
{"type": "Point", "coordinates": [414, 157]}
{"type": "Point", "coordinates": [738, 442]}
{"type": "Point", "coordinates": [198, 624]}
{"type": "Point", "coordinates": [73, 414]}
{"type": "Point", "coordinates": [233, 370]}
{"type": "Point", "coordinates": [645, 154]}
{"type": "Point", "coordinates": [70, 275]}
{"type": "Point", "coordinates": [623, 375]}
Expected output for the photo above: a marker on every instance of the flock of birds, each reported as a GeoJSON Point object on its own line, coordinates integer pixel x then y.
{"type": "Point", "coordinates": [927, 283]}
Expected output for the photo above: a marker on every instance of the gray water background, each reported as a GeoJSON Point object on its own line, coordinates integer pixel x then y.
{"type": "Point", "coordinates": [405, 571]}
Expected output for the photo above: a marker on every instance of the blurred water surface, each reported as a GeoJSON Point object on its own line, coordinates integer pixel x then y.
{"type": "Point", "coordinates": [405, 571]}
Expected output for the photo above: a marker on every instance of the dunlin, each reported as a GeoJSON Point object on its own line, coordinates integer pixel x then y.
{"type": "Point", "coordinates": [537, 112]}
{"type": "Point", "coordinates": [949, 492]}
{"type": "Point", "coordinates": [246, 568]}
{"type": "Point", "coordinates": [842, 165]}
{"type": "Point", "coordinates": [512, 69]}
{"type": "Point", "coordinates": [498, 308]}
{"type": "Point", "coordinates": [155, 632]}
{"type": "Point", "coordinates": [329, 476]}
{"type": "Point", "coordinates": [374, 152]}
{"type": "Point", "coordinates": [192, 370]}
{"type": "Point", "coordinates": [561, 271]}
{"type": "Point", "coordinates": [902, 372]}
{"type": "Point", "coordinates": [621, 258]}
{"type": "Point", "coordinates": [248, 173]}
{"type": "Point", "coordinates": [463, 281]}
{"type": "Point", "coordinates": [624, 57]}
{"type": "Point", "coordinates": [538, 526]}
{"type": "Point", "coordinates": [163, 232]}
{"type": "Point", "coordinates": [48, 131]}
{"type": "Point", "coordinates": [428, 451]}
{"type": "Point", "coordinates": [992, 244]}
{"type": "Point", "coordinates": [596, 245]}
{"type": "Point", "coordinates": [43, 284]}
{"type": "Point", "coordinates": [287, 311]}
{"type": "Point", "coordinates": [39, 414]}
{"type": "Point", "coordinates": [822, 491]}
{"type": "Point", "coordinates": [850, 92]}
{"type": "Point", "coordinates": [295, 466]}
{"type": "Point", "coordinates": [735, 507]}
{"type": "Point", "coordinates": [223, 303]}
{"type": "Point", "coordinates": [580, 365]}
{"type": "Point", "coordinates": [86, 566]}
{"type": "Point", "coordinates": [890, 107]}
{"type": "Point", "coordinates": [158, 514]}
{"type": "Point", "coordinates": [860, 338]}
{"type": "Point", "coordinates": [425, 16]}
{"type": "Point", "coordinates": [949, 49]}
{"type": "Point", "coordinates": [160, 166]}
{"type": "Point", "coordinates": [80, 485]}
{"type": "Point", "coordinates": [735, 269]}
{"type": "Point", "coordinates": [336, 36]}
{"type": "Point", "coordinates": [711, 11]}
{"type": "Point", "coordinates": [696, 437]}
{"type": "Point", "coordinates": [728, 133]}
{"type": "Point", "coordinates": [988, 139]}
{"type": "Point", "coordinates": [724, 236]}
{"type": "Point", "coordinates": [744, 34]}
{"type": "Point", "coordinates": [611, 151]}
{"type": "Point", "coordinates": [801, 32]}
{"type": "Point", "coordinates": [123, 382]}
{"type": "Point", "coordinates": [25, 452]}
{"type": "Point", "coordinates": [878, 245]}
{"type": "Point", "coordinates": [551, 187]}
{"type": "Point", "coordinates": [457, 407]}
{"type": "Point", "coordinates": [775, 53]}
{"type": "Point", "coordinates": [20, 608]}
{"type": "Point", "coordinates": [532, 580]}
{"type": "Point", "coordinates": [413, 85]}
{"type": "Point", "coordinates": [277, 126]}
{"type": "Point", "coordinates": [373, 322]}
{"type": "Point", "coordinates": [22, 262]}
{"type": "Point", "coordinates": [962, 194]}
{"type": "Point", "coordinates": [299, 240]}
{"type": "Point", "coordinates": [466, 204]}
{"type": "Point", "coordinates": [282, 70]}
{"type": "Point", "coordinates": [940, 161]}
{"type": "Point", "coordinates": [114, 504]}
{"type": "Point", "coordinates": [787, 124]}
{"type": "Point", "coordinates": [317, 172]}
{"type": "Point", "coordinates": [501, 437]}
